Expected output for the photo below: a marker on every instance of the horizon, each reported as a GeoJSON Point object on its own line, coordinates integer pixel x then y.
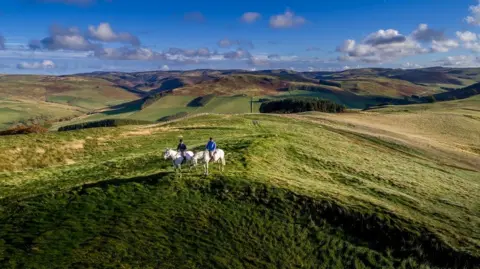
{"type": "Point", "coordinates": [59, 37]}
{"type": "Point", "coordinates": [246, 70]}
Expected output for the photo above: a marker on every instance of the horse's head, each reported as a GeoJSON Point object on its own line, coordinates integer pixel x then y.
{"type": "Point", "coordinates": [167, 154]}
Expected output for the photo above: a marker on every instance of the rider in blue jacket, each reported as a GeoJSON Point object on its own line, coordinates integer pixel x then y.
{"type": "Point", "coordinates": [211, 147]}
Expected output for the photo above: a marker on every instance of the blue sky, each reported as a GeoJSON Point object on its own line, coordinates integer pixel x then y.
{"type": "Point", "coordinates": [72, 36]}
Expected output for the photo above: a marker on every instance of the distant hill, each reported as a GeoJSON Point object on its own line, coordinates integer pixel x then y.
{"type": "Point", "coordinates": [459, 93]}
{"type": "Point", "coordinates": [421, 76]}
{"type": "Point", "coordinates": [129, 94]}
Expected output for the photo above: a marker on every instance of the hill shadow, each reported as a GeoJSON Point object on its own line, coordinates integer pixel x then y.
{"type": "Point", "coordinates": [153, 179]}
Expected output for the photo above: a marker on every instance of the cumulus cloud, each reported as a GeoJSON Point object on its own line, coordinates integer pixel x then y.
{"type": "Point", "coordinates": [286, 20]}
{"type": "Point", "coordinates": [474, 18]}
{"type": "Point", "coordinates": [68, 42]}
{"type": "Point", "coordinates": [72, 38]}
{"type": "Point", "coordinates": [227, 43]}
{"type": "Point", "coordinates": [444, 46]}
{"type": "Point", "coordinates": [62, 38]}
{"type": "Point", "coordinates": [381, 46]}
{"type": "Point", "coordinates": [104, 32]}
{"type": "Point", "coordinates": [238, 54]}
{"type": "Point", "coordinates": [201, 52]}
{"type": "Point", "coordinates": [165, 68]}
{"type": "Point", "coordinates": [250, 17]}
{"type": "Point", "coordinates": [469, 40]}
{"type": "Point", "coordinates": [46, 64]}
{"type": "Point", "coordinates": [425, 34]}
{"type": "Point", "coordinates": [460, 61]}
{"type": "Point", "coordinates": [466, 36]}
{"type": "Point", "coordinates": [2, 42]}
{"type": "Point", "coordinates": [128, 53]}
{"type": "Point", "coordinates": [384, 37]}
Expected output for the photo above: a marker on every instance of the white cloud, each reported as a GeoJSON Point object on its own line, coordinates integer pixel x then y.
{"type": "Point", "coordinates": [444, 46]}
{"type": "Point", "coordinates": [380, 46]}
{"type": "Point", "coordinates": [46, 64]}
{"type": "Point", "coordinates": [473, 46]}
{"type": "Point", "coordinates": [466, 36]}
{"type": "Point", "coordinates": [384, 37]}
{"type": "Point", "coordinates": [165, 68]}
{"type": "Point", "coordinates": [286, 20]}
{"type": "Point", "coordinates": [425, 34]}
{"type": "Point", "coordinates": [125, 53]}
{"type": "Point", "coordinates": [409, 65]}
{"type": "Point", "coordinates": [250, 17]}
{"type": "Point", "coordinates": [238, 54]}
{"type": "Point", "coordinates": [104, 32]}
{"type": "Point", "coordinates": [460, 61]}
{"type": "Point", "coordinates": [474, 17]}
{"type": "Point", "coordinates": [64, 39]}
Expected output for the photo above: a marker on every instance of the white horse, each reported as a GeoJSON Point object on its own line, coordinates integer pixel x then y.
{"type": "Point", "coordinates": [204, 157]}
{"type": "Point", "coordinates": [177, 158]}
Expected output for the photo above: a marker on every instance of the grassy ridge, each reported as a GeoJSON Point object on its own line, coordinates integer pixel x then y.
{"type": "Point", "coordinates": [295, 193]}
{"type": "Point", "coordinates": [156, 222]}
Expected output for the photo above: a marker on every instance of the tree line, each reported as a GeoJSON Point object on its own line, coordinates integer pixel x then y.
{"type": "Point", "coordinates": [296, 105]}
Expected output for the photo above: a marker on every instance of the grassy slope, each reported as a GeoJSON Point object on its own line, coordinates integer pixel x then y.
{"type": "Point", "coordinates": [13, 111]}
{"type": "Point", "coordinates": [24, 97]}
{"type": "Point", "coordinates": [308, 190]}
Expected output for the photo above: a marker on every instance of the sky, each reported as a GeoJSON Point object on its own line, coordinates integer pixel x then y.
{"type": "Point", "coordinates": [78, 36]}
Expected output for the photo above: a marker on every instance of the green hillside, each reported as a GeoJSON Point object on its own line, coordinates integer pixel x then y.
{"type": "Point", "coordinates": [354, 190]}
{"type": "Point", "coordinates": [13, 111]}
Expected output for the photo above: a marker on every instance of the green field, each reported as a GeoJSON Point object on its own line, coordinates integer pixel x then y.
{"type": "Point", "coordinates": [313, 190]}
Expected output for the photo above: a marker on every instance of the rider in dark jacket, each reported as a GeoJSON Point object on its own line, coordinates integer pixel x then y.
{"type": "Point", "coordinates": [182, 148]}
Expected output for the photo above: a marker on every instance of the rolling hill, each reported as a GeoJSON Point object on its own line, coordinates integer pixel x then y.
{"type": "Point", "coordinates": [102, 95]}
{"type": "Point", "coordinates": [396, 187]}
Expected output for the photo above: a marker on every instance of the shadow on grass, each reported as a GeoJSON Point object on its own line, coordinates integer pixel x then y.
{"type": "Point", "coordinates": [153, 179]}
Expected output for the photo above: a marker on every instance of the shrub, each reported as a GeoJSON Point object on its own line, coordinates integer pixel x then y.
{"type": "Point", "coordinates": [103, 123]}
{"type": "Point", "coordinates": [22, 129]}
{"type": "Point", "coordinates": [295, 105]}
{"type": "Point", "coordinates": [263, 100]}
{"type": "Point", "coordinates": [201, 101]}
{"type": "Point", "coordinates": [176, 116]}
